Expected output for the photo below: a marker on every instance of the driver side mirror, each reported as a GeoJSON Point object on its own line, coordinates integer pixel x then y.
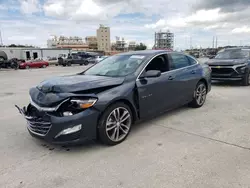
{"type": "Point", "coordinates": [152, 74]}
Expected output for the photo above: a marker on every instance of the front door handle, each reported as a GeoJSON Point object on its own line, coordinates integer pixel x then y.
{"type": "Point", "coordinates": [170, 78]}
{"type": "Point", "coordinates": [193, 72]}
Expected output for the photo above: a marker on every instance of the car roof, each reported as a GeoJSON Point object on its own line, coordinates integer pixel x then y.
{"type": "Point", "coordinates": [145, 52]}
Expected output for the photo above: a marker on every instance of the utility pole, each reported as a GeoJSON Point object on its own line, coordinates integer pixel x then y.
{"type": "Point", "coordinates": [213, 42]}
{"type": "Point", "coordinates": [216, 42]}
{"type": "Point", "coordinates": [191, 42]}
{"type": "Point", "coordinates": [1, 40]}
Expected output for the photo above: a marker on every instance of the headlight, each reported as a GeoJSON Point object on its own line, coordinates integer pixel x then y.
{"type": "Point", "coordinates": [241, 65]}
{"type": "Point", "coordinates": [84, 103]}
{"type": "Point", "coordinates": [241, 68]}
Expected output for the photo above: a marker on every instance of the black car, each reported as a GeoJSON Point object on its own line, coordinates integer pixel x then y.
{"type": "Point", "coordinates": [72, 60]}
{"type": "Point", "coordinates": [232, 64]}
{"type": "Point", "coordinates": [105, 100]}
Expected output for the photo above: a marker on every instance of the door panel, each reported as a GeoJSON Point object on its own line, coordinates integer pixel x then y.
{"type": "Point", "coordinates": [193, 74]}
{"type": "Point", "coordinates": [31, 64]}
{"type": "Point", "coordinates": [185, 75]}
{"type": "Point", "coordinates": [150, 95]}
{"type": "Point", "coordinates": [36, 64]}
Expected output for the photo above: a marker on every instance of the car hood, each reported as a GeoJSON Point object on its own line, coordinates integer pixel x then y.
{"type": "Point", "coordinates": [226, 61]}
{"type": "Point", "coordinates": [77, 83]}
{"type": "Point", "coordinates": [52, 91]}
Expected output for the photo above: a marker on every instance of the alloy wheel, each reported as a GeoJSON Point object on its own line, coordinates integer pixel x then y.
{"type": "Point", "coordinates": [118, 124]}
{"type": "Point", "coordinates": [201, 93]}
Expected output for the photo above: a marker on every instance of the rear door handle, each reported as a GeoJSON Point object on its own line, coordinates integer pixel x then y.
{"type": "Point", "coordinates": [170, 78]}
{"type": "Point", "coordinates": [193, 72]}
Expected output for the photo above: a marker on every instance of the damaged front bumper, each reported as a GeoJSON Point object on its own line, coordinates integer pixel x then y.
{"type": "Point", "coordinates": [60, 129]}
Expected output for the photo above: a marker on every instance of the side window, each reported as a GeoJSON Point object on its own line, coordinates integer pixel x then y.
{"type": "Point", "coordinates": [158, 63]}
{"type": "Point", "coordinates": [192, 61]}
{"type": "Point", "coordinates": [178, 61]}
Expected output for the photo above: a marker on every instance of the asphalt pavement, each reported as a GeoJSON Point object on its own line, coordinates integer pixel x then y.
{"type": "Point", "coordinates": [185, 148]}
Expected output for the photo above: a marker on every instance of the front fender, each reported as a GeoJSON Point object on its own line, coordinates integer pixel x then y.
{"type": "Point", "coordinates": [125, 92]}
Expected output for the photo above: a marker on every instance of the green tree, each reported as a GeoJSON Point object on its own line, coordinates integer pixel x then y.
{"type": "Point", "coordinates": [140, 46]}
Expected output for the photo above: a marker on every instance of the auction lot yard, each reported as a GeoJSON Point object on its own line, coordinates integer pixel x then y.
{"type": "Point", "coordinates": [206, 147]}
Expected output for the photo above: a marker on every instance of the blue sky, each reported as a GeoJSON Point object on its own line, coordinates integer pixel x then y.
{"type": "Point", "coordinates": [34, 21]}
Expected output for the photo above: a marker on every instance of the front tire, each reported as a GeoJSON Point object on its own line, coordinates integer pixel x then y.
{"type": "Point", "coordinates": [115, 124]}
{"type": "Point", "coordinates": [86, 63]}
{"type": "Point", "coordinates": [246, 79]}
{"type": "Point", "coordinates": [27, 67]}
{"type": "Point", "coordinates": [200, 94]}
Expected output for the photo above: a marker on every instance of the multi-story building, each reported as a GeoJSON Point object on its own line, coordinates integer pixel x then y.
{"type": "Point", "coordinates": [76, 43]}
{"type": "Point", "coordinates": [91, 41]}
{"type": "Point", "coordinates": [119, 44]}
{"type": "Point", "coordinates": [131, 45]}
{"type": "Point", "coordinates": [164, 40]}
{"type": "Point", "coordinates": [103, 38]}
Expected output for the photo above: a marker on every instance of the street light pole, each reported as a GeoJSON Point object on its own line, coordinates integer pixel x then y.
{"type": "Point", "coordinates": [1, 40]}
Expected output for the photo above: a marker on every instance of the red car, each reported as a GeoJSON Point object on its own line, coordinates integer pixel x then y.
{"type": "Point", "coordinates": [33, 64]}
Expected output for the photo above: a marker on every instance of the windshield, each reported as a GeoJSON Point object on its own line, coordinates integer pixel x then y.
{"type": "Point", "coordinates": [232, 54]}
{"type": "Point", "coordinates": [115, 66]}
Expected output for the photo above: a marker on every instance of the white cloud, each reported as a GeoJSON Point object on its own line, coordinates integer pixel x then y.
{"type": "Point", "coordinates": [199, 17]}
{"type": "Point", "coordinates": [82, 10]}
{"type": "Point", "coordinates": [54, 9]}
{"type": "Point", "coordinates": [212, 15]}
{"type": "Point", "coordinates": [3, 7]}
{"type": "Point", "coordinates": [21, 38]}
{"type": "Point", "coordinates": [29, 6]}
{"type": "Point", "coordinates": [82, 18]}
{"type": "Point", "coordinates": [244, 29]}
{"type": "Point", "coordinates": [159, 24]}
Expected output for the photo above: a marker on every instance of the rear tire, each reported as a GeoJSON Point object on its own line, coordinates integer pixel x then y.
{"type": "Point", "coordinates": [44, 66]}
{"type": "Point", "coordinates": [86, 63]}
{"type": "Point", "coordinates": [2, 58]}
{"type": "Point", "coordinates": [246, 79]}
{"type": "Point", "coordinates": [115, 124]}
{"type": "Point", "coordinates": [199, 96]}
{"type": "Point", "coordinates": [69, 64]}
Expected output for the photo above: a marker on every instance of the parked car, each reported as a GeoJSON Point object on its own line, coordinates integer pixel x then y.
{"type": "Point", "coordinates": [73, 59]}
{"type": "Point", "coordinates": [9, 64]}
{"type": "Point", "coordinates": [80, 58]}
{"type": "Point", "coordinates": [96, 59]}
{"type": "Point", "coordinates": [195, 54]}
{"type": "Point", "coordinates": [231, 64]}
{"type": "Point", "coordinates": [105, 100]}
{"type": "Point", "coordinates": [37, 63]}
